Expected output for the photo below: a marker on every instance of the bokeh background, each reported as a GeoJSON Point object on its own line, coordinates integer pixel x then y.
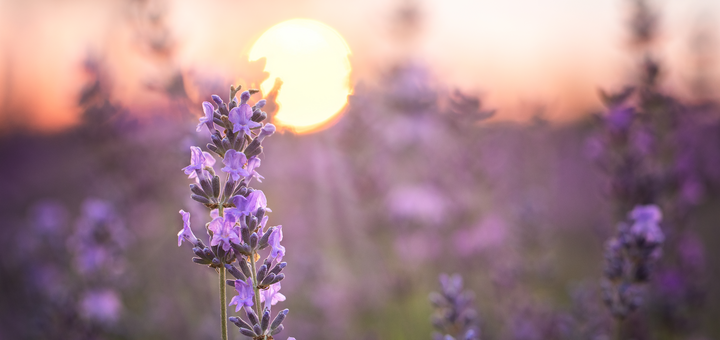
{"type": "Point", "coordinates": [476, 141]}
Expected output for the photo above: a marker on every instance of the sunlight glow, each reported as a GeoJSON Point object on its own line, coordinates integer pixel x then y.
{"type": "Point", "coordinates": [312, 61]}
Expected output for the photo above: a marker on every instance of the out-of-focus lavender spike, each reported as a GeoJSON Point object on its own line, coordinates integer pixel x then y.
{"type": "Point", "coordinates": [454, 316]}
{"type": "Point", "coordinates": [629, 260]}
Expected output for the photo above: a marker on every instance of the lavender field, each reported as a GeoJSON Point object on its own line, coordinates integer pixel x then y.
{"type": "Point", "coordinates": [329, 171]}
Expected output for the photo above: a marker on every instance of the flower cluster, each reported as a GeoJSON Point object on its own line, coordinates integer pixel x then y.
{"type": "Point", "coordinates": [238, 230]}
{"type": "Point", "coordinates": [454, 316]}
{"type": "Point", "coordinates": [629, 259]}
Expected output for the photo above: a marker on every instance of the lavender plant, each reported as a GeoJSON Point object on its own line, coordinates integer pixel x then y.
{"type": "Point", "coordinates": [629, 260]}
{"type": "Point", "coordinates": [454, 316]}
{"type": "Point", "coordinates": [237, 229]}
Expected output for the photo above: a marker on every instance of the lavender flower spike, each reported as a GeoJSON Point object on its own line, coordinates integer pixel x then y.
{"type": "Point", "coordinates": [209, 110]}
{"type": "Point", "coordinates": [223, 232]}
{"type": "Point", "coordinates": [198, 161]}
{"type": "Point", "coordinates": [278, 251]}
{"type": "Point", "coordinates": [647, 218]}
{"type": "Point", "coordinates": [240, 117]}
{"type": "Point", "coordinates": [454, 316]}
{"type": "Point", "coordinates": [238, 217]}
{"type": "Point", "coordinates": [234, 162]}
{"type": "Point", "coordinates": [272, 295]}
{"type": "Point", "coordinates": [186, 233]}
{"type": "Point", "coordinates": [245, 294]}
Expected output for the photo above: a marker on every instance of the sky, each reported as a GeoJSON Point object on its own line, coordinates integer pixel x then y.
{"type": "Point", "coordinates": [516, 54]}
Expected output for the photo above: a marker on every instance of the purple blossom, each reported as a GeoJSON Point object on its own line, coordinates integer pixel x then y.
{"type": "Point", "coordinates": [234, 162]}
{"type": "Point", "coordinates": [208, 109]}
{"type": "Point", "coordinates": [647, 219]}
{"type": "Point", "coordinates": [224, 232]}
{"type": "Point", "coordinates": [252, 164]}
{"type": "Point", "coordinates": [272, 295]}
{"type": "Point", "coordinates": [248, 205]}
{"type": "Point", "coordinates": [240, 117]}
{"type": "Point", "coordinates": [186, 233]}
{"type": "Point", "coordinates": [245, 294]}
{"type": "Point", "coordinates": [278, 251]}
{"type": "Point", "coordinates": [261, 103]}
{"type": "Point", "coordinates": [198, 161]}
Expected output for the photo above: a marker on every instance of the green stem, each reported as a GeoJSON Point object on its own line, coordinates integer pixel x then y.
{"type": "Point", "coordinates": [223, 305]}
{"type": "Point", "coordinates": [618, 329]}
{"type": "Point", "coordinates": [255, 284]}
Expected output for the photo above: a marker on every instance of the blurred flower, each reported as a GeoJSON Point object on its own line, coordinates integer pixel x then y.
{"type": "Point", "coordinates": [454, 316]}
{"type": "Point", "coordinates": [101, 305]}
{"type": "Point", "coordinates": [647, 218]}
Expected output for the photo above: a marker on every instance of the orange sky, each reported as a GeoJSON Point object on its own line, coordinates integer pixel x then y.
{"type": "Point", "coordinates": [516, 53]}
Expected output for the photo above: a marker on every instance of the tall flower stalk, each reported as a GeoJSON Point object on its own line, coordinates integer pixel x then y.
{"type": "Point", "coordinates": [237, 230]}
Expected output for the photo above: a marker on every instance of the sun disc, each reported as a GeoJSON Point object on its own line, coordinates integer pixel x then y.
{"type": "Point", "coordinates": [312, 61]}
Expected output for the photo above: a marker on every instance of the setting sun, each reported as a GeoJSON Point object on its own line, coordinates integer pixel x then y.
{"type": "Point", "coordinates": [312, 61]}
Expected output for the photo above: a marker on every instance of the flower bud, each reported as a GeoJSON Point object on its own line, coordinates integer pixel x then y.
{"type": "Point", "coordinates": [279, 318]}
{"type": "Point", "coordinates": [264, 241]}
{"type": "Point", "coordinates": [265, 321]}
{"type": "Point", "coordinates": [200, 199]}
{"type": "Point", "coordinates": [267, 131]}
{"type": "Point", "coordinates": [278, 268]}
{"type": "Point", "coordinates": [239, 322]}
{"type": "Point", "coordinates": [253, 240]}
{"type": "Point", "coordinates": [252, 316]}
{"type": "Point", "coordinates": [262, 272]}
{"type": "Point", "coordinates": [253, 149]}
{"type": "Point", "coordinates": [235, 272]}
{"type": "Point", "coordinates": [268, 279]}
{"type": "Point", "coordinates": [197, 191]}
{"type": "Point", "coordinates": [217, 99]}
{"type": "Point", "coordinates": [277, 330]}
{"type": "Point", "coordinates": [216, 186]}
{"type": "Point", "coordinates": [244, 97]}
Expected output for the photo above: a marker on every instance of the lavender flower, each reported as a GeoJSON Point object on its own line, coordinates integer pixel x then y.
{"type": "Point", "coordinates": [253, 164]}
{"type": "Point", "coordinates": [245, 206]}
{"type": "Point", "coordinates": [224, 233]}
{"type": "Point", "coordinates": [629, 260]}
{"type": "Point", "coordinates": [234, 162]}
{"type": "Point", "coordinates": [245, 294]}
{"type": "Point", "coordinates": [199, 160]}
{"type": "Point", "coordinates": [240, 117]}
{"type": "Point", "coordinates": [278, 251]}
{"type": "Point", "coordinates": [209, 110]}
{"type": "Point", "coordinates": [454, 316]}
{"type": "Point", "coordinates": [272, 295]}
{"type": "Point", "coordinates": [238, 228]}
{"type": "Point", "coordinates": [186, 233]}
